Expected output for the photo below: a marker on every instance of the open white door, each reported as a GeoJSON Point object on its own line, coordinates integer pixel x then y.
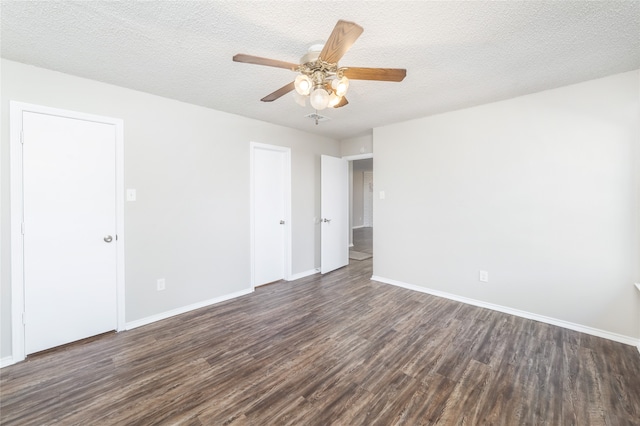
{"type": "Point", "coordinates": [334, 207]}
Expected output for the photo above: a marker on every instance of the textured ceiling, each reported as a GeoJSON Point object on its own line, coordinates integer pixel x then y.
{"type": "Point", "coordinates": [457, 54]}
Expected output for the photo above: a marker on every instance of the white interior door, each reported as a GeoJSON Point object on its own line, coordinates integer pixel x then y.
{"type": "Point", "coordinates": [334, 206]}
{"type": "Point", "coordinates": [270, 216]}
{"type": "Point", "coordinates": [69, 192]}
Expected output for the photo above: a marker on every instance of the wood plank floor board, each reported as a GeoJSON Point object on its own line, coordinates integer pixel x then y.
{"type": "Point", "coordinates": [468, 396]}
{"type": "Point", "coordinates": [386, 402]}
{"type": "Point", "coordinates": [334, 349]}
{"type": "Point", "coordinates": [339, 409]}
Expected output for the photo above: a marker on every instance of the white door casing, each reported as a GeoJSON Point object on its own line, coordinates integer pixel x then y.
{"type": "Point", "coordinates": [270, 213]}
{"type": "Point", "coordinates": [66, 193]}
{"type": "Point", "coordinates": [334, 206]}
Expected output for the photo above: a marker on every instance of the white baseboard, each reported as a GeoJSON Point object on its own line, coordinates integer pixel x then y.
{"type": "Point", "coordinates": [184, 309]}
{"type": "Point", "coordinates": [524, 314]}
{"type": "Point", "coordinates": [358, 226]}
{"type": "Point", "coordinates": [6, 361]}
{"type": "Point", "coordinates": [303, 274]}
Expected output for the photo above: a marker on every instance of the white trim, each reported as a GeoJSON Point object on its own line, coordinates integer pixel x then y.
{"type": "Point", "coordinates": [351, 158]}
{"type": "Point", "coordinates": [287, 208]}
{"type": "Point", "coordinates": [360, 226]}
{"type": "Point", "coordinates": [17, 258]}
{"type": "Point", "coordinates": [638, 287]}
{"type": "Point", "coordinates": [120, 236]}
{"type": "Point", "coordinates": [303, 274]}
{"type": "Point", "coordinates": [358, 156]}
{"type": "Point", "coordinates": [17, 214]}
{"type": "Point", "coordinates": [6, 361]}
{"type": "Point", "coordinates": [172, 313]}
{"type": "Point", "coordinates": [524, 314]}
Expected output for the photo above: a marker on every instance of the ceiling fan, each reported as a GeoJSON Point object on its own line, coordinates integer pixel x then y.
{"type": "Point", "coordinates": [320, 77]}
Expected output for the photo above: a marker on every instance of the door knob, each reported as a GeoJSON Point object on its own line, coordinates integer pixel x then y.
{"type": "Point", "coordinates": [282, 222]}
{"type": "Point", "coordinates": [326, 220]}
{"type": "Point", "coordinates": [108, 239]}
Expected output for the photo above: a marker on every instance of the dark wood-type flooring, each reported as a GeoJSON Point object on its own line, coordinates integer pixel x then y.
{"type": "Point", "coordinates": [363, 240]}
{"type": "Point", "coordinates": [334, 349]}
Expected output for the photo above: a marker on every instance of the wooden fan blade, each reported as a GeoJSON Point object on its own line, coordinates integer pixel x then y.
{"type": "Point", "coordinates": [380, 74]}
{"type": "Point", "coordinates": [342, 103]}
{"type": "Point", "coordinates": [342, 37]}
{"type": "Point", "coordinates": [241, 57]}
{"type": "Point", "coordinates": [280, 92]}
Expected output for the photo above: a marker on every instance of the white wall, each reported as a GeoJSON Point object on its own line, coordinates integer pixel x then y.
{"type": "Point", "coordinates": [190, 166]}
{"type": "Point", "coordinates": [542, 191]}
{"type": "Point", "coordinates": [356, 145]}
{"type": "Point", "coordinates": [357, 213]}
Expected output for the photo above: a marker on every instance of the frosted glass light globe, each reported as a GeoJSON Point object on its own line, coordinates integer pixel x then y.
{"type": "Point", "coordinates": [303, 84]}
{"type": "Point", "coordinates": [319, 99]}
{"type": "Point", "coordinates": [334, 100]}
{"type": "Point", "coordinates": [340, 86]}
{"type": "Point", "coordinates": [300, 99]}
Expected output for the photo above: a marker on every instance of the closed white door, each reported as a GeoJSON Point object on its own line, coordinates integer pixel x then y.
{"type": "Point", "coordinates": [270, 216]}
{"type": "Point", "coordinates": [69, 190]}
{"type": "Point", "coordinates": [334, 207]}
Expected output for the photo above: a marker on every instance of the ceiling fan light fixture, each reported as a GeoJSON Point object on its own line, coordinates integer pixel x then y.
{"type": "Point", "coordinates": [300, 99]}
{"type": "Point", "coordinates": [340, 86]}
{"type": "Point", "coordinates": [320, 78]}
{"type": "Point", "coordinates": [319, 98]}
{"type": "Point", "coordinates": [303, 84]}
{"type": "Point", "coordinates": [334, 100]}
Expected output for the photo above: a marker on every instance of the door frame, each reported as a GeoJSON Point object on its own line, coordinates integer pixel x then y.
{"type": "Point", "coordinates": [17, 213]}
{"type": "Point", "coordinates": [351, 158]}
{"type": "Point", "coordinates": [253, 146]}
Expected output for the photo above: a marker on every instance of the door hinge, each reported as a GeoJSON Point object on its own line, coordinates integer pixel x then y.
{"type": "Point", "coordinates": [24, 318]}
{"type": "Point", "coordinates": [22, 137]}
{"type": "Point", "coordinates": [22, 228]}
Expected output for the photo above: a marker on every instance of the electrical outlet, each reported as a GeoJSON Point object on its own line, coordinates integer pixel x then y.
{"type": "Point", "coordinates": [483, 276]}
{"type": "Point", "coordinates": [160, 285]}
{"type": "Point", "coordinates": [131, 194]}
